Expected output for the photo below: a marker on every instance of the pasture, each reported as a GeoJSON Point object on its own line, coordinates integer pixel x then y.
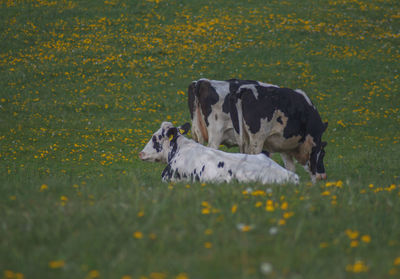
{"type": "Point", "coordinates": [84, 84]}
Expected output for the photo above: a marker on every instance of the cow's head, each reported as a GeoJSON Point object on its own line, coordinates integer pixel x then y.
{"type": "Point", "coordinates": [160, 144]}
{"type": "Point", "coordinates": [317, 167]}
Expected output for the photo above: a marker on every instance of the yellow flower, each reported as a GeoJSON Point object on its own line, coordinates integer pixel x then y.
{"type": "Point", "coordinates": [243, 227]}
{"type": "Point", "coordinates": [138, 235]}
{"type": "Point", "coordinates": [64, 200]}
{"type": "Point", "coordinates": [396, 261]}
{"type": "Point", "coordinates": [366, 238]}
{"type": "Point", "coordinates": [284, 206]}
{"type": "Point", "coordinates": [43, 187]}
{"type": "Point", "coordinates": [208, 245]}
{"type": "Point", "coordinates": [326, 193]}
{"type": "Point", "coordinates": [323, 244]}
{"type": "Point", "coordinates": [182, 276]}
{"type": "Point", "coordinates": [352, 234]}
{"type": "Point", "coordinates": [234, 208]}
{"type": "Point", "coordinates": [258, 204]}
{"type": "Point", "coordinates": [354, 243]}
{"type": "Point", "coordinates": [358, 267]}
{"type": "Point", "coordinates": [56, 264]}
{"type": "Point", "coordinates": [93, 274]}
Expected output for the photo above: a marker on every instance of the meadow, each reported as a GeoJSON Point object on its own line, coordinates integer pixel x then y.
{"type": "Point", "coordinates": [84, 84]}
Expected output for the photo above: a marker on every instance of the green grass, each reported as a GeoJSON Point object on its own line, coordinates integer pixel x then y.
{"type": "Point", "coordinates": [84, 84]}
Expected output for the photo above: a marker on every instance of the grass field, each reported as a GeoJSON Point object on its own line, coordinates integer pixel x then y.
{"type": "Point", "coordinates": [84, 84]}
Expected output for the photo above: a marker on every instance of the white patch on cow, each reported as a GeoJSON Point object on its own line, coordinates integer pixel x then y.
{"type": "Point", "coordinates": [301, 92]}
{"type": "Point", "coordinates": [252, 87]}
{"type": "Point", "coordinates": [267, 84]}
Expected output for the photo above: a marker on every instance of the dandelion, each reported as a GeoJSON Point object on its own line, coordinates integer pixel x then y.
{"type": "Point", "coordinates": [243, 227]}
{"type": "Point", "coordinates": [396, 261]}
{"type": "Point", "coordinates": [354, 243]}
{"type": "Point", "coordinates": [93, 274]}
{"type": "Point", "coordinates": [182, 276]}
{"type": "Point", "coordinates": [352, 234]}
{"type": "Point", "coordinates": [234, 208]}
{"type": "Point", "coordinates": [138, 235]}
{"type": "Point", "coordinates": [270, 206]}
{"type": "Point", "coordinates": [56, 264]}
{"type": "Point", "coordinates": [325, 193]}
{"type": "Point", "coordinates": [43, 187]}
{"type": "Point", "coordinates": [358, 267]}
{"type": "Point", "coordinates": [323, 245]}
{"type": "Point", "coordinates": [208, 245]}
{"type": "Point", "coordinates": [64, 200]}
{"type": "Point", "coordinates": [366, 238]}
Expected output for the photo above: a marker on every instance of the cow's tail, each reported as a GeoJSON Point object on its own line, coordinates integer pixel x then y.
{"type": "Point", "coordinates": [235, 110]}
{"type": "Point", "coordinates": [199, 128]}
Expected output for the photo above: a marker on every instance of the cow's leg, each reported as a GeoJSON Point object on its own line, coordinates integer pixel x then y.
{"type": "Point", "coordinates": [255, 146]}
{"type": "Point", "coordinates": [214, 139]}
{"type": "Point", "coordinates": [312, 176]}
{"type": "Point", "coordinates": [288, 161]}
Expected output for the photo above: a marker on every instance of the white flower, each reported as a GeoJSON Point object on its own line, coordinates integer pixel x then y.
{"type": "Point", "coordinates": [266, 268]}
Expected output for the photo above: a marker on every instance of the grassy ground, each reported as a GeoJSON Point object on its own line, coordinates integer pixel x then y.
{"type": "Point", "coordinates": [84, 84]}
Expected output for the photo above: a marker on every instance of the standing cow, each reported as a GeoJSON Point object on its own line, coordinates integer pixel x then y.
{"type": "Point", "coordinates": [279, 120]}
{"type": "Point", "coordinates": [209, 110]}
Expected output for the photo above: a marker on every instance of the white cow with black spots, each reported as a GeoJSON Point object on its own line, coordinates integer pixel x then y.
{"type": "Point", "coordinates": [190, 161]}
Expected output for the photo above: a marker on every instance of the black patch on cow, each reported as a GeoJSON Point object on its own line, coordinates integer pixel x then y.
{"type": "Point", "coordinates": [234, 85]}
{"type": "Point", "coordinates": [279, 119]}
{"type": "Point", "coordinates": [266, 153]}
{"type": "Point", "coordinates": [320, 158]}
{"type": "Point", "coordinates": [207, 96]}
{"type": "Point", "coordinates": [174, 146]}
{"type": "Point", "coordinates": [167, 173]}
{"type": "Point", "coordinates": [230, 172]}
{"type": "Point", "coordinates": [302, 118]}
{"type": "Point", "coordinates": [221, 164]}
{"type": "Point", "coordinates": [202, 170]}
{"type": "Point", "coordinates": [156, 145]}
{"type": "Point", "coordinates": [191, 98]}
{"type": "Point", "coordinates": [230, 102]}
{"type": "Point", "coordinates": [177, 175]}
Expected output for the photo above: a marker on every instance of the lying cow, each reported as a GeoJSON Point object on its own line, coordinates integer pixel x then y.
{"type": "Point", "coordinates": [279, 120]}
{"type": "Point", "coordinates": [209, 110]}
{"type": "Point", "coordinates": [190, 161]}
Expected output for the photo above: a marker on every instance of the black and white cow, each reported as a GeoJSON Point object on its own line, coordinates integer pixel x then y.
{"type": "Point", "coordinates": [279, 120]}
{"type": "Point", "coordinates": [188, 160]}
{"type": "Point", "coordinates": [209, 111]}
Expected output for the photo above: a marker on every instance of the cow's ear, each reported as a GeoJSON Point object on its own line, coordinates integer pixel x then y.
{"type": "Point", "coordinates": [184, 128]}
{"type": "Point", "coordinates": [325, 126]}
{"type": "Point", "coordinates": [171, 133]}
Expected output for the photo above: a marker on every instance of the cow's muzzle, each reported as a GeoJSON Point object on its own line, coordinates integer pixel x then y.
{"type": "Point", "coordinates": [321, 176]}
